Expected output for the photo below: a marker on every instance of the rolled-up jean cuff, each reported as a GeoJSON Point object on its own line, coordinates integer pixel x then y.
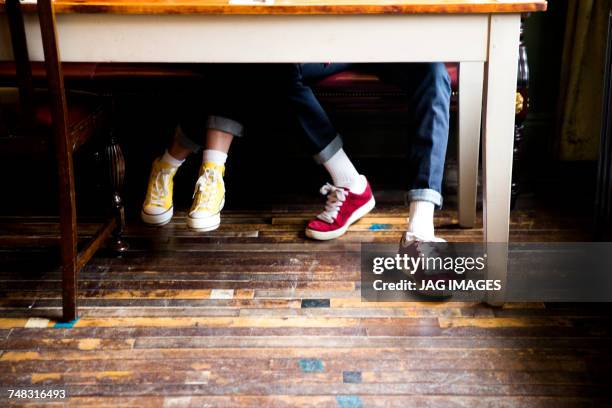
{"type": "Point", "coordinates": [329, 150]}
{"type": "Point", "coordinates": [425, 194]}
{"type": "Point", "coordinates": [185, 141]}
{"type": "Point", "coordinates": [225, 125]}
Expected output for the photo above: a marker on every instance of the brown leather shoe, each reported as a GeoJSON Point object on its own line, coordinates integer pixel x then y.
{"type": "Point", "coordinates": [430, 284]}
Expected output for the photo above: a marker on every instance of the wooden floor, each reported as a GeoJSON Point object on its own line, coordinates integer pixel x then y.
{"type": "Point", "coordinates": [255, 315]}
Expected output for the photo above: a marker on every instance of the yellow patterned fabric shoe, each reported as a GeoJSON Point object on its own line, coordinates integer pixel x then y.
{"type": "Point", "coordinates": [157, 208]}
{"type": "Point", "coordinates": [208, 198]}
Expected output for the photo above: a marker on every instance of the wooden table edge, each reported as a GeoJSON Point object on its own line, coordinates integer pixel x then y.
{"type": "Point", "coordinates": [192, 7]}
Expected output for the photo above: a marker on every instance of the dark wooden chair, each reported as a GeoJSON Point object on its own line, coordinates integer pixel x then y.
{"type": "Point", "coordinates": [68, 119]}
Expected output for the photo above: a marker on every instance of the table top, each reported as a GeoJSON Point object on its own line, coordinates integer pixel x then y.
{"type": "Point", "coordinates": [294, 6]}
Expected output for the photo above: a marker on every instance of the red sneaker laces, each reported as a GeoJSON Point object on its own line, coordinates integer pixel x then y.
{"type": "Point", "coordinates": [335, 198]}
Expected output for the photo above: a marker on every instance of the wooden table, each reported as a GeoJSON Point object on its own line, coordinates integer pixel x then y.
{"type": "Point", "coordinates": [483, 35]}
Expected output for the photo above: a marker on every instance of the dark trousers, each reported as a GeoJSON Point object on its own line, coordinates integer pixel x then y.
{"type": "Point", "coordinates": [428, 90]}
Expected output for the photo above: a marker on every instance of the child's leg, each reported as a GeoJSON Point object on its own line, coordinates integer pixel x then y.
{"type": "Point", "coordinates": [157, 208]}
{"type": "Point", "coordinates": [218, 140]}
{"type": "Point", "coordinates": [209, 194]}
{"type": "Point", "coordinates": [177, 152]}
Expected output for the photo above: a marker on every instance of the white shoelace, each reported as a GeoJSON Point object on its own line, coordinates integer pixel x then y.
{"type": "Point", "coordinates": [160, 187]}
{"type": "Point", "coordinates": [205, 184]}
{"type": "Point", "coordinates": [335, 198]}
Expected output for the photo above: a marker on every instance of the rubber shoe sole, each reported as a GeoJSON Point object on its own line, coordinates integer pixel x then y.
{"type": "Point", "coordinates": [157, 220]}
{"type": "Point", "coordinates": [206, 223]}
{"type": "Point", "coordinates": [328, 235]}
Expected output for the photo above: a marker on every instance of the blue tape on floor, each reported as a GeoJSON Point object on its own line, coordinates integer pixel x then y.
{"type": "Point", "coordinates": [351, 377]}
{"type": "Point", "coordinates": [379, 227]}
{"type": "Point", "coordinates": [306, 303]}
{"type": "Point", "coordinates": [349, 401]}
{"type": "Point", "coordinates": [311, 365]}
{"type": "Point", "coordinates": [66, 325]}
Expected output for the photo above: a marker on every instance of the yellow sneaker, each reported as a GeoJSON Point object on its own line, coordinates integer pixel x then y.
{"type": "Point", "coordinates": [157, 208]}
{"type": "Point", "coordinates": [208, 198]}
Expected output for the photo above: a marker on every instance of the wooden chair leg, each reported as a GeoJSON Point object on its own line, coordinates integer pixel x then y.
{"type": "Point", "coordinates": [63, 149]}
{"type": "Point", "coordinates": [69, 292]}
{"type": "Point", "coordinates": [68, 231]}
{"type": "Point", "coordinates": [116, 163]}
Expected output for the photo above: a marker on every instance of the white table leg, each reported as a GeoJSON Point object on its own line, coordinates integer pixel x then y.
{"type": "Point", "coordinates": [470, 113]}
{"type": "Point", "coordinates": [498, 141]}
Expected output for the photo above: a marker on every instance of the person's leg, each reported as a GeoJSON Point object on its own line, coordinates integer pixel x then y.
{"type": "Point", "coordinates": [349, 197]}
{"type": "Point", "coordinates": [194, 132]}
{"type": "Point", "coordinates": [329, 150]}
{"type": "Point", "coordinates": [209, 194]}
{"type": "Point", "coordinates": [157, 208]}
{"type": "Point", "coordinates": [177, 152]}
{"type": "Point", "coordinates": [316, 72]}
{"type": "Point", "coordinates": [429, 91]}
{"type": "Point", "coordinates": [218, 140]}
{"type": "Point", "coordinates": [315, 124]}
{"type": "Point", "coordinates": [216, 147]}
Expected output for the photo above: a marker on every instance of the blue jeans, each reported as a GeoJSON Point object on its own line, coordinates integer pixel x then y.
{"type": "Point", "coordinates": [428, 90]}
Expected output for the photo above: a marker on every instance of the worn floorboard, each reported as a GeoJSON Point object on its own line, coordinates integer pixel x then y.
{"type": "Point", "coordinates": [256, 315]}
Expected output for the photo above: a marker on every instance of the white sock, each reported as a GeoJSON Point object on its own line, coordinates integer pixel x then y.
{"type": "Point", "coordinates": [421, 220]}
{"type": "Point", "coordinates": [344, 174]}
{"type": "Point", "coordinates": [171, 160]}
{"type": "Point", "coordinates": [214, 156]}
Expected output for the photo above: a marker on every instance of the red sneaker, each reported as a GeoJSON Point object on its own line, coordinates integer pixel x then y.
{"type": "Point", "coordinates": [342, 209]}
